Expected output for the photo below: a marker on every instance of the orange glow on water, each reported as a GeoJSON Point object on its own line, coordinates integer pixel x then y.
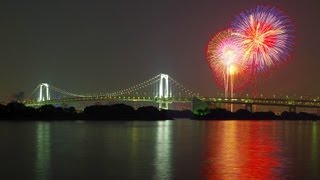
{"type": "Point", "coordinates": [241, 151]}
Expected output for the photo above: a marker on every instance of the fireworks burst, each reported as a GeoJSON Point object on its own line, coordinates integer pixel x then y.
{"type": "Point", "coordinates": [225, 57]}
{"type": "Point", "coordinates": [265, 33]}
{"type": "Point", "coordinates": [258, 40]}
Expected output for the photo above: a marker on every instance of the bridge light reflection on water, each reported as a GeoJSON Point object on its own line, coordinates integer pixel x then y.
{"type": "Point", "coordinates": [163, 150]}
{"type": "Point", "coordinates": [314, 149]}
{"type": "Point", "coordinates": [179, 149]}
{"type": "Point", "coordinates": [43, 159]}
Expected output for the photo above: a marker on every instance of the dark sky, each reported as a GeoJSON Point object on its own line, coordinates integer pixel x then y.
{"type": "Point", "coordinates": [102, 46]}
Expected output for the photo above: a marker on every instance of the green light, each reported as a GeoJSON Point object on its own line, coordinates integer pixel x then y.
{"type": "Point", "coordinates": [314, 147]}
{"type": "Point", "coordinates": [43, 150]}
{"type": "Point", "coordinates": [163, 150]}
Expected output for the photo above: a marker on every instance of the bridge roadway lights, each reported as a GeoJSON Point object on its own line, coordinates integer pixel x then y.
{"type": "Point", "coordinates": [163, 103]}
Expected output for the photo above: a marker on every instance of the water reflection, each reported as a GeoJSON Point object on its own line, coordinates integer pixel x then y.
{"type": "Point", "coordinates": [181, 149]}
{"type": "Point", "coordinates": [134, 149]}
{"type": "Point", "coordinates": [163, 150]}
{"type": "Point", "coordinates": [242, 150]}
{"type": "Point", "coordinates": [43, 150]}
{"type": "Point", "coordinates": [315, 149]}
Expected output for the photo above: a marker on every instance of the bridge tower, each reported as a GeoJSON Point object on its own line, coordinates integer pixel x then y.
{"type": "Point", "coordinates": [163, 91]}
{"type": "Point", "coordinates": [164, 86]}
{"type": "Point", "coordinates": [44, 93]}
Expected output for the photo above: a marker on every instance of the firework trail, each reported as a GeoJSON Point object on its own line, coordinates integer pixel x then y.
{"type": "Point", "coordinates": [225, 58]}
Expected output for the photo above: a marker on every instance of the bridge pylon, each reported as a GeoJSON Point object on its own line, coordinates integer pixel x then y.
{"type": "Point", "coordinates": [44, 93]}
{"type": "Point", "coordinates": [163, 91]}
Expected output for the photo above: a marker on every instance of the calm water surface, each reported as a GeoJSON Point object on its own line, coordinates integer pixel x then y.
{"type": "Point", "coordinates": [181, 149]}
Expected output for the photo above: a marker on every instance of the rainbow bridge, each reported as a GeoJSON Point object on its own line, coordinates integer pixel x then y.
{"type": "Point", "coordinates": [160, 89]}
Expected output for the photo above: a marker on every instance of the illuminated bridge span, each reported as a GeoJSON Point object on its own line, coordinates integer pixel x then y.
{"type": "Point", "coordinates": [161, 89]}
{"type": "Point", "coordinates": [292, 104]}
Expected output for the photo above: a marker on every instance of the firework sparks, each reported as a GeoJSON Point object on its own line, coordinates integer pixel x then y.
{"type": "Point", "coordinates": [265, 33]}
{"type": "Point", "coordinates": [225, 57]}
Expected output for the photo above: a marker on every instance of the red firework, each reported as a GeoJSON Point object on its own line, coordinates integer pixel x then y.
{"type": "Point", "coordinates": [225, 58]}
{"type": "Point", "coordinates": [266, 35]}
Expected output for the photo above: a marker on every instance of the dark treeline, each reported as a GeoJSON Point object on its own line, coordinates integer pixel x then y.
{"type": "Point", "coordinates": [242, 114]}
{"type": "Point", "coordinates": [17, 111]}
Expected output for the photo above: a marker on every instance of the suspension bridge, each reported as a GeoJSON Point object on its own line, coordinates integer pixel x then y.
{"type": "Point", "coordinates": [161, 89]}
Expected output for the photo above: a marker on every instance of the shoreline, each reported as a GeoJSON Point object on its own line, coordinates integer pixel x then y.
{"type": "Point", "coordinates": [121, 112]}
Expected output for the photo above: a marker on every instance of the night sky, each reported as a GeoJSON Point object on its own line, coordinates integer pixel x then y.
{"type": "Point", "coordinates": [101, 46]}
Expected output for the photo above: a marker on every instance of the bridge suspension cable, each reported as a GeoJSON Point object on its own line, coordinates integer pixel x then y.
{"type": "Point", "coordinates": [133, 88]}
{"type": "Point", "coordinates": [33, 92]}
{"type": "Point", "coordinates": [66, 92]}
{"type": "Point", "coordinates": [187, 91]}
